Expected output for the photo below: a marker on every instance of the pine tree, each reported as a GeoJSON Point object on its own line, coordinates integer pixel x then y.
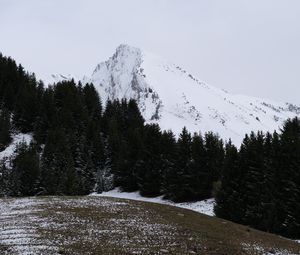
{"type": "Point", "coordinates": [92, 102]}
{"type": "Point", "coordinates": [133, 150]}
{"type": "Point", "coordinates": [229, 196]}
{"type": "Point", "coordinates": [254, 180]}
{"type": "Point", "coordinates": [58, 174]}
{"type": "Point", "coordinates": [269, 186]}
{"type": "Point", "coordinates": [124, 125]}
{"type": "Point", "coordinates": [5, 129]}
{"type": "Point", "coordinates": [214, 151]}
{"type": "Point", "coordinates": [276, 187]}
{"type": "Point", "coordinates": [98, 166]}
{"type": "Point", "coordinates": [290, 179]}
{"type": "Point", "coordinates": [6, 185]}
{"type": "Point", "coordinates": [169, 151]}
{"type": "Point", "coordinates": [149, 174]}
{"type": "Point", "coordinates": [25, 170]}
{"type": "Point", "coordinates": [178, 188]}
{"type": "Point", "coordinates": [200, 181]}
{"type": "Point", "coordinates": [26, 105]}
{"type": "Point", "coordinates": [47, 117]}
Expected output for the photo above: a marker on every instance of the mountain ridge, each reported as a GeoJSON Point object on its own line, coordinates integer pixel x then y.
{"type": "Point", "coordinates": [169, 95]}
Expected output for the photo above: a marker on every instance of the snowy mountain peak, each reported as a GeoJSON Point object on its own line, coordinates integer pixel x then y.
{"type": "Point", "coordinates": [172, 97]}
{"type": "Point", "coordinates": [121, 76]}
{"type": "Point", "coordinates": [125, 57]}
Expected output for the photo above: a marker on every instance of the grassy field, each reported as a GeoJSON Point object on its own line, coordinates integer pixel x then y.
{"type": "Point", "coordinates": [93, 225]}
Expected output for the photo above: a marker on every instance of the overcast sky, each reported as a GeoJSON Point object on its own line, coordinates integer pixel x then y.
{"type": "Point", "coordinates": [246, 47]}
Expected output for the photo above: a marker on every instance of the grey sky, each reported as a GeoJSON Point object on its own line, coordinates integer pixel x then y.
{"type": "Point", "coordinates": [247, 47]}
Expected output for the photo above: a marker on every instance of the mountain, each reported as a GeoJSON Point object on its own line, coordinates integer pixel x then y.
{"type": "Point", "coordinates": [172, 97]}
{"type": "Point", "coordinates": [54, 78]}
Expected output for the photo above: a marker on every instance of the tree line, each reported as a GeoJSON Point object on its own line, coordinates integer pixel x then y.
{"type": "Point", "coordinates": [80, 147]}
{"type": "Point", "coordinates": [260, 182]}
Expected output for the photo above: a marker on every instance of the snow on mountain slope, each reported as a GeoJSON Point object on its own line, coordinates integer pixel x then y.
{"type": "Point", "coordinates": [55, 78]}
{"type": "Point", "coordinates": [9, 151]}
{"type": "Point", "coordinates": [170, 96]}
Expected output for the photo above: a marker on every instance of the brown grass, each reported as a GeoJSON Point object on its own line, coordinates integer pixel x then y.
{"type": "Point", "coordinates": [91, 225]}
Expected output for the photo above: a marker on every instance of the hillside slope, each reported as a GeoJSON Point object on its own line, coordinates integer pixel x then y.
{"type": "Point", "coordinates": [86, 225]}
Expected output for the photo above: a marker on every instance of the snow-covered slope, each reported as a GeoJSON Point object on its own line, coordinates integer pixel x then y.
{"type": "Point", "coordinates": [9, 151]}
{"type": "Point", "coordinates": [55, 78]}
{"type": "Point", "coordinates": [172, 97]}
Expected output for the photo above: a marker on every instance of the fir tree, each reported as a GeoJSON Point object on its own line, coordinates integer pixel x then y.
{"type": "Point", "coordinates": [6, 185]}
{"type": "Point", "coordinates": [214, 153]}
{"type": "Point", "coordinates": [58, 175]}
{"type": "Point", "coordinates": [200, 181]}
{"type": "Point", "coordinates": [290, 179]}
{"type": "Point", "coordinates": [178, 188]}
{"type": "Point", "coordinates": [25, 171]}
{"type": "Point", "coordinates": [92, 102]}
{"type": "Point", "coordinates": [169, 150]}
{"type": "Point", "coordinates": [5, 129]}
{"type": "Point", "coordinates": [151, 165]}
{"type": "Point", "coordinates": [254, 180]}
{"type": "Point", "coordinates": [229, 195]}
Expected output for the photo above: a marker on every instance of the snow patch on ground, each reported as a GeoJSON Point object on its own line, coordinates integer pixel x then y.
{"type": "Point", "coordinates": [56, 225]}
{"type": "Point", "coordinates": [260, 250]}
{"type": "Point", "coordinates": [51, 226]}
{"type": "Point", "coordinates": [204, 206]}
{"type": "Point", "coordinates": [10, 150]}
{"type": "Point", "coordinates": [19, 224]}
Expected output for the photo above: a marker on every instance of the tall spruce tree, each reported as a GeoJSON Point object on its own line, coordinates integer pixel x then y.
{"type": "Point", "coordinates": [150, 168]}
{"type": "Point", "coordinates": [214, 152]}
{"type": "Point", "coordinates": [200, 177]}
{"type": "Point", "coordinates": [25, 171]}
{"type": "Point", "coordinates": [58, 175]}
{"type": "Point", "coordinates": [5, 129]}
{"type": "Point", "coordinates": [169, 149]}
{"type": "Point", "coordinates": [290, 178]}
{"type": "Point", "coordinates": [254, 180]}
{"type": "Point", "coordinates": [178, 188]}
{"type": "Point", "coordinates": [229, 196]}
{"type": "Point", "coordinates": [6, 185]}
